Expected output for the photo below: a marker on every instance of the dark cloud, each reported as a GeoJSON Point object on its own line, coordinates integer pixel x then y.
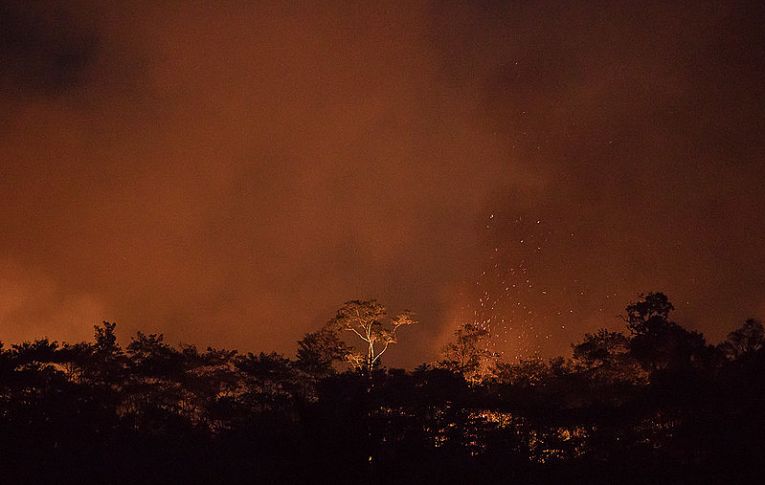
{"type": "Point", "coordinates": [45, 48]}
{"type": "Point", "coordinates": [229, 174]}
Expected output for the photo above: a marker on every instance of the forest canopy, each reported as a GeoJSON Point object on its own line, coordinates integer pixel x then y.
{"type": "Point", "coordinates": [653, 402]}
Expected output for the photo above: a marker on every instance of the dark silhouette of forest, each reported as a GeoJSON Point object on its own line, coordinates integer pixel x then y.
{"type": "Point", "coordinates": [655, 403]}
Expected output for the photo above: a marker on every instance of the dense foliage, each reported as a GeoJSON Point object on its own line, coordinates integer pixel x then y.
{"type": "Point", "coordinates": [656, 404]}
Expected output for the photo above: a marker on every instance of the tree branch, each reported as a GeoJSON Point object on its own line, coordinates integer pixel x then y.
{"type": "Point", "coordinates": [381, 352]}
{"type": "Point", "coordinates": [357, 333]}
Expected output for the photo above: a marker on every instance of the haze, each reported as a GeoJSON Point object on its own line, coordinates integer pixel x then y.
{"type": "Point", "coordinates": [229, 174]}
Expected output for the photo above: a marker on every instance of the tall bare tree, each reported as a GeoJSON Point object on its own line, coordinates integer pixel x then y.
{"type": "Point", "coordinates": [366, 320]}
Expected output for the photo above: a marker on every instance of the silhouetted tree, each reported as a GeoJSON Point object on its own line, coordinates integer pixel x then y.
{"type": "Point", "coordinates": [526, 373]}
{"type": "Point", "coordinates": [269, 380]}
{"type": "Point", "coordinates": [606, 357]}
{"type": "Point", "coordinates": [104, 362]}
{"type": "Point", "coordinates": [657, 342]}
{"type": "Point", "coordinates": [600, 349]}
{"type": "Point", "coordinates": [466, 355]}
{"type": "Point", "coordinates": [744, 341]}
{"type": "Point", "coordinates": [318, 351]}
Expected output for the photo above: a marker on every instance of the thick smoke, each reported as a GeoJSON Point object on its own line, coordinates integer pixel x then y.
{"type": "Point", "coordinates": [230, 173]}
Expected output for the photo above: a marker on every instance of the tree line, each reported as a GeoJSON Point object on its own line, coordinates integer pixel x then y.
{"type": "Point", "coordinates": [654, 403]}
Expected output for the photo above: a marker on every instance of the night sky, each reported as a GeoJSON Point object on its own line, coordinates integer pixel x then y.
{"type": "Point", "coordinates": [229, 173]}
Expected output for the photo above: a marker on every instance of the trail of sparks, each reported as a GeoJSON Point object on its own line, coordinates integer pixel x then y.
{"type": "Point", "coordinates": [502, 288]}
{"type": "Point", "coordinates": [526, 313]}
